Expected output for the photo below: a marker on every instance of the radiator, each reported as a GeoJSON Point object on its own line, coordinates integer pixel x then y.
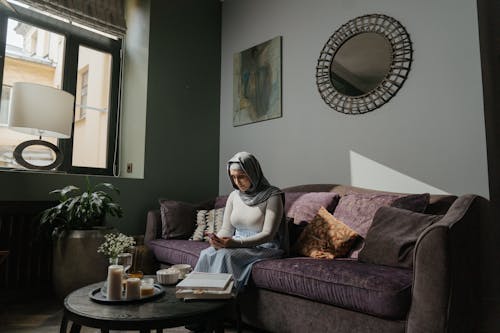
{"type": "Point", "coordinates": [29, 261]}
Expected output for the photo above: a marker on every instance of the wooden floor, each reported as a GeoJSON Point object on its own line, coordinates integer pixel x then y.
{"type": "Point", "coordinates": [40, 312]}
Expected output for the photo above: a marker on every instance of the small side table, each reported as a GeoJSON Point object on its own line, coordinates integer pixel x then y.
{"type": "Point", "coordinates": [157, 314]}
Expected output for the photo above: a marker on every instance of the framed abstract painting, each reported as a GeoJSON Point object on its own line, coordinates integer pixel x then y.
{"type": "Point", "coordinates": [257, 83]}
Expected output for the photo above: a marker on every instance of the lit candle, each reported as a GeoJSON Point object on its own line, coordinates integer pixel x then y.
{"type": "Point", "coordinates": [133, 288]}
{"type": "Point", "coordinates": [114, 281]}
{"type": "Point", "coordinates": [147, 287]}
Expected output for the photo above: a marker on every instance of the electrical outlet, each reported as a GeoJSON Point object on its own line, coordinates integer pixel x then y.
{"type": "Point", "coordinates": [129, 167]}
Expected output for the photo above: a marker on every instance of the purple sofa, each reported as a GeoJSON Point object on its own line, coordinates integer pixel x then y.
{"type": "Point", "coordinates": [438, 293]}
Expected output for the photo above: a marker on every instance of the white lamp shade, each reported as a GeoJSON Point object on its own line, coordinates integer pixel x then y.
{"type": "Point", "coordinates": [41, 110]}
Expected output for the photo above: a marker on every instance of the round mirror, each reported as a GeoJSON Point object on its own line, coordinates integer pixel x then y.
{"type": "Point", "coordinates": [363, 64]}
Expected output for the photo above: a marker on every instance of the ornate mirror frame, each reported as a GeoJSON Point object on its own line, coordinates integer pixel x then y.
{"type": "Point", "coordinates": [402, 53]}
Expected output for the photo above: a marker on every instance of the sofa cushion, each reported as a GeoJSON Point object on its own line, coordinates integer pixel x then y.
{"type": "Point", "coordinates": [177, 251]}
{"type": "Point", "coordinates": [177, 219]}
{"type": "Point", "coordinates": [325, 237]}
{"type": "Point", "coordinates": [392, 236]}
{"type": "Point", "coordinates": [357, 210]}
{"type": "Point", "coordinates": [303, 206]}
{"type": "Point", "coordinates": [373, 289]}
{"type": "Point", "coordinates": [207, 221]}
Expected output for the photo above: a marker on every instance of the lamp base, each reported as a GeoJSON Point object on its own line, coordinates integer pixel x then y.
{"type": "Point", "coordinates": [18, 155]}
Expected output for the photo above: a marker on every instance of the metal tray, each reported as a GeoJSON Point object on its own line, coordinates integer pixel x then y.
{"type": "Point", "coordinates": [97, 296]}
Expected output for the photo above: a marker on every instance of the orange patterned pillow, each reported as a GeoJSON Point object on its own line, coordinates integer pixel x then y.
{"type": "Point", "coordinates": [325, 237]}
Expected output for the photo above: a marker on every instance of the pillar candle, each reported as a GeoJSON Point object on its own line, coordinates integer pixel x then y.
{"type": "Point", "coordinates": [147, 287]}
{"type": "Point", "coordinates": [133, 288]}
{"type": "Point", "coordinates": [114, 291]}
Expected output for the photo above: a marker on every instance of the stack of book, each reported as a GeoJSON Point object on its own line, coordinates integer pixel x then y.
{"type": "Point", "coordinates": [199, 285]}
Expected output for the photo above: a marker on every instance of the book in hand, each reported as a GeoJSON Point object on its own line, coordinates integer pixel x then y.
{"type": "Point", "coordinates": [205, 281]}
{"type": "Point", "coordinates": [194, 294]}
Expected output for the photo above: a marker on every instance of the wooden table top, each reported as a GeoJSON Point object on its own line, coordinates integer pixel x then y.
{"type": "Point", "coordinates": [163, 311]}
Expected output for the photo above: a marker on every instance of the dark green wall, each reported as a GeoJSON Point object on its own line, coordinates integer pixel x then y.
{"type": "Point", "coordinates": [182, 134]}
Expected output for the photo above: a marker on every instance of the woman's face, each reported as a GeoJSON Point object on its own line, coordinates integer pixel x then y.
{"type": "Point", "coordinates": [240, 178]}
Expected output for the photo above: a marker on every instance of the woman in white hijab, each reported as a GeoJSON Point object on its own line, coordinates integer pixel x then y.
{"type": "Point", "coordinates": [252, 218]}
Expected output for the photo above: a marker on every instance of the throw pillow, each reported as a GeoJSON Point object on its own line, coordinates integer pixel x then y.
{"type": "Point", "coordinates": [207, 221]}
{"type": "Point", "coordinates": [303, 206]}
{"type": "Point", "coordinates": [392, 236]}
{"type": "Point", "coordinates": [177, 219]}
{"type": "Point", "coordinates": [325, 237]}
{"type": "Point", "coordinates": [414, 202]}
{"type": "Point", "coordinates": [357, 209]}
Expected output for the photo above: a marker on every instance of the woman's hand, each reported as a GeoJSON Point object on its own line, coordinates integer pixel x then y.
{"type": "Point", "coordinates": [221, 242]}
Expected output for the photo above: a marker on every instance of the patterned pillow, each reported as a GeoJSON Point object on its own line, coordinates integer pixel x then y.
{"type": "Point", "coordinates": [325, 237]}
{"type": "Point", "coordinates": [207, 221]}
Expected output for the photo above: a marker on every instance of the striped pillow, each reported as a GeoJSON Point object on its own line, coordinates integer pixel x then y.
{"type": "Point", "coordinates": [207, 221]}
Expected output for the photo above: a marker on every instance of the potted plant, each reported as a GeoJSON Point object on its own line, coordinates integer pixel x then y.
{"type": "Point", "coordinates": [77, 227]}
{"type": "Point", "coordinates": [81, 210]}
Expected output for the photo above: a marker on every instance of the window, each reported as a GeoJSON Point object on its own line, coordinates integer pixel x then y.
{"type": "Point", "coordinates": [82, 87]}
{"type": "Point", "coordinates": [42, 49]}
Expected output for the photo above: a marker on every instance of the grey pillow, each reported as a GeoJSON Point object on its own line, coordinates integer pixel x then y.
{"type": "Point", "coordinates": [392, 236]}
{"type": "Point", "coordinates": [414, 202]}
{"type": "Point", "coordinates": [177, 219]}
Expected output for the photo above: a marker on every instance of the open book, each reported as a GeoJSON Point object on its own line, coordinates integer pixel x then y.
{"type": "Point", "coordinates": [205, 281]}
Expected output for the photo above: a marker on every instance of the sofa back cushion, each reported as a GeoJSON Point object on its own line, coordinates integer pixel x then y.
{"type": "Point", "coordinates": [358, 209]}
{"type": "Point", "coordinates": [438, 204]}
{"type": "Point", "coordinates": [303, 206]}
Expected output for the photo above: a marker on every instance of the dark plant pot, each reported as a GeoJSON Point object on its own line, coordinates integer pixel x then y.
{"type": "Point", "coordinates": [76, 262]}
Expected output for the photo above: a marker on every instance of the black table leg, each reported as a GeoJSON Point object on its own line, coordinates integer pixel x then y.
{"type": "Point", "coordinates": [75, 328]}
{"type": "Point", "coordinates": [64, 324]}
{"type": "Point", "coordinates": [238, 316]}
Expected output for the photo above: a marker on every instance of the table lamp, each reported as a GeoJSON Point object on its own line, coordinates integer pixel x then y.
{"type": "Point", "coordinates": [43, 111]}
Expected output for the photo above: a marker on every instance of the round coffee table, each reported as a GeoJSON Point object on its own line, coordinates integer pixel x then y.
{"type": "Point", "coordinates": [163, 312]}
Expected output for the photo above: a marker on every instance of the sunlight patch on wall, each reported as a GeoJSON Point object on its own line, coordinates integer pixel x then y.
{"type": "Point", "coordinates": [370, 174]}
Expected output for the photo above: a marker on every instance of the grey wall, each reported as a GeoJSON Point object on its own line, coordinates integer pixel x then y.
{"type": "Point", "coordinates": [135, 88]}
{"type": "Point", "coordinates": [182, 123]}
{"type": "Point", "coordinates": [431, 131]}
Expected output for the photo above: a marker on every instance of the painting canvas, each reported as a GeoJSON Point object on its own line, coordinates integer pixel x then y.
{"type": "Point", "coordinates": [257, 83]}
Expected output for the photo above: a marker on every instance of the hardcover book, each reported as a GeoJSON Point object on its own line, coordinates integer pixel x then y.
{"type": "Point", "coordinates": [193, 294]}
{"type": "Point", "coordinates": [205, 281]}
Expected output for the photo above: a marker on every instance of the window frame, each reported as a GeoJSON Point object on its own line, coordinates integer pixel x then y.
{"type": "Point", "coordinates": [75, 37]}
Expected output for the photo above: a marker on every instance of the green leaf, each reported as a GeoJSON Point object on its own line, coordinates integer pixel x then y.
{"type": "Point", "coordinates": [109, 186]}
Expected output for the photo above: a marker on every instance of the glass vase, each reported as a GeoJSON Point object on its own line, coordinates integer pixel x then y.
{"type": "Point", "coordinates": [113, 260]}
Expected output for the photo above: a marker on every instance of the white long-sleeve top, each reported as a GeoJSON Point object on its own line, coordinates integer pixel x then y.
{"type": "Point", "coordinates": [263, 218]}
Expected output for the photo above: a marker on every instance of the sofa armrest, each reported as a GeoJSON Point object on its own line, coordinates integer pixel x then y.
{"type": "Point", "coordinates": [153, 226]}
{"type": "Point", "coordinates": [446, 274]}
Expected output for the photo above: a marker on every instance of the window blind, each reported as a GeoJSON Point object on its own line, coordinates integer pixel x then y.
{"type": "Point", "coordinates": [104, 15]}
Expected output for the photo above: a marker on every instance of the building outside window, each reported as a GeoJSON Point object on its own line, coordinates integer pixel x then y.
{"type": "Point", "coordinates": [44, 50]}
